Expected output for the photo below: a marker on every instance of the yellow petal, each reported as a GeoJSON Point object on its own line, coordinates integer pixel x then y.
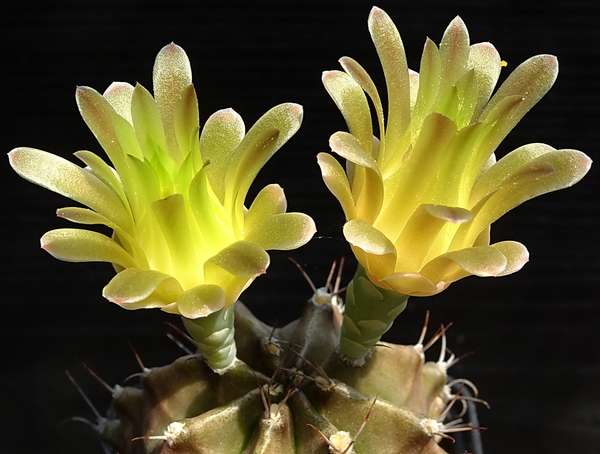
{"type": "Point", "coordinates": [413, 284]}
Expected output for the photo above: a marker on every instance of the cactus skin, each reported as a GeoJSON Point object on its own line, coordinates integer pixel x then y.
{"type": "Point", "coordinates": [185, 407]}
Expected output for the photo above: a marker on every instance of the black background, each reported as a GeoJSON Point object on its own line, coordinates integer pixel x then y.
{"type": "Point", "coordinates": [535, 335]}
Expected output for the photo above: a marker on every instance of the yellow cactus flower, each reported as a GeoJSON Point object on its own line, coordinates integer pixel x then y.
{"type": "Point", "coordinates": [419, 200]}
{"type": "Point", "coordinates": [182, 239]}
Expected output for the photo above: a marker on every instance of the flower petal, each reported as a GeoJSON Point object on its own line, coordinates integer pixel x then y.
{"type": "Point", "coordinates": [172, 74]}
{"type": "Point", "coordinates": [515, 162]}
{"type": "Point", "coordinates": [393, 60]}
{"type": "Point", "coordinates": [531, 80]}
{"type": "Point", "coordinates": [99, 115]}
{"type": "Point", "coordinates": [149, 127]}
{"type": "Point", "coordinates": [221, 135]}
{"type": "Point", "coordinates": [367, 185]}
{"type": "Point", "coordinates": [186, 122]}
{"type": "Point", "coordinates": [371, 240]}
{"type": "Point", "coordinates": [480, 261]}
{"type": "Point", "coordinates": [422, 231]}
{"type": "Point", "coordinates": [352, 103]}
{"type": "Point", "coordinates": [516, 255]}
{"type": "Point", "coordinates": [454, 53]}
{"type": "Point", "coordinates": [362, 78]}
{"type": "Point", "coordinates": [265, 137]}
{"type": "Point", "coordinates": [135, 288]}
{"type": "Point", "coordinates": [530, 181]}
{"type": "Point", "coordinates": [283, 232]}
{"type": "Point", "coordinates": [413, 284]}
{"type": "Point", "coordinates": [65, 178]}
{"type": "Point", "coordinates": [484, 59]}
{"type": "Point", "coordinates": [268, 202]}
{"type": "Point", "coordinates": [119, 94]}
{"type": "Point", "coordinates": [243, 259]}
{"type": "Point", "coordinates": [76, 245]}
{"type": "Point", "coordinates": [201, 301]}
{"type": "Point", "coordinates": [337, 182]}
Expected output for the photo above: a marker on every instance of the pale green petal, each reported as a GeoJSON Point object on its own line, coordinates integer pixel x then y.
{"type": "Point", "coordinates": [510, 165]}
{"type": "Point", "coordinates": [187, 122]}
{"type": "Point", "coordinates": [99, 115]}
{"type": "Point", "coordinates": [480, 261]}
{"type": "Point", "coordinates": [532, 180]}
{"type": "Point", "coordinates": [516, 255]}
{"type": "Point", "coordinates": [119, 94]}
{"type": "Point", "coordinates": [241, 175]}
{"type": "Point", "coordinates": [75, 245]}
{"type": "Point", "coordinates": [102, 170]}
{"type": "Point", "coordinates": [337, 182]}
{"type": "Point", "coordinates": [172, 74]}
{"type": "Point", "coordinates": [242, 259]}
{"type": "Point", "coordinates": [393, 60]}
{"type": "Point", "coordinates": [65, 178]}
{"type": "Point", "coordinates": [221, 135]}
{"type": "Point", "coordinates": [148, 126]}
{"type": "Point", "coordinates": [352, 103]}
{"type": "Point", "coordinates": [268, 202]}
{"type": "Point", "coordinates": [415, 80]}
{"type": "Point", "coordinates": [89, 217]}
{"type": "Point", "coordinates": [135, 288]}
{"type": "Point", "coordinates": [201, 301]}
{"type": "Point", "coordinates": [531, 80]}
{"type": "Point", "coordinates": [429, 82]}
{"type": "Point", "coordinates": [367, 187]}
{"type": "Point", "coordinates": [361, 77]}
{"type": "Point", "coordinates": [265, 137]}
{"type": "Point", "coordinates": [454, 53]}
{"type": "Point", "coordinates": [484, 59]}
{"type": "Point", "coordinates": [283, 231]}
{"type": "Point", "coordinates": [371, 240]}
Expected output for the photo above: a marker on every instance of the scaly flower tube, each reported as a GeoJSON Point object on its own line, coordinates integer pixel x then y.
{"type": "Point", "coordinates": [182, 239]}
{"type": "Point", "coordinates": [419, 201]}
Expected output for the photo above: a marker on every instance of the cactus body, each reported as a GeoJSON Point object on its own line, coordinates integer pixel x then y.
{"type": "Point", "coordinates": [289, 392]}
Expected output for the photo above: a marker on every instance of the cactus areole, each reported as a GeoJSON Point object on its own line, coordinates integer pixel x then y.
{"type": "Point", "coordinates": [419, 191]}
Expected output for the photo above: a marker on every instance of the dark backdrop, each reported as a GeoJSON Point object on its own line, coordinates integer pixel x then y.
{"type": "Point", "coordinates": [535, 335]}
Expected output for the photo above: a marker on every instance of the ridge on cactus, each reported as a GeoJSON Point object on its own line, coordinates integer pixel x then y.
{"type": "Point", "coordinates": [419, 200]}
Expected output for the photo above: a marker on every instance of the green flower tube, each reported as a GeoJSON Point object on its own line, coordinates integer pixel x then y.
{"type": "Point", "coordinates": [183, 240]}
